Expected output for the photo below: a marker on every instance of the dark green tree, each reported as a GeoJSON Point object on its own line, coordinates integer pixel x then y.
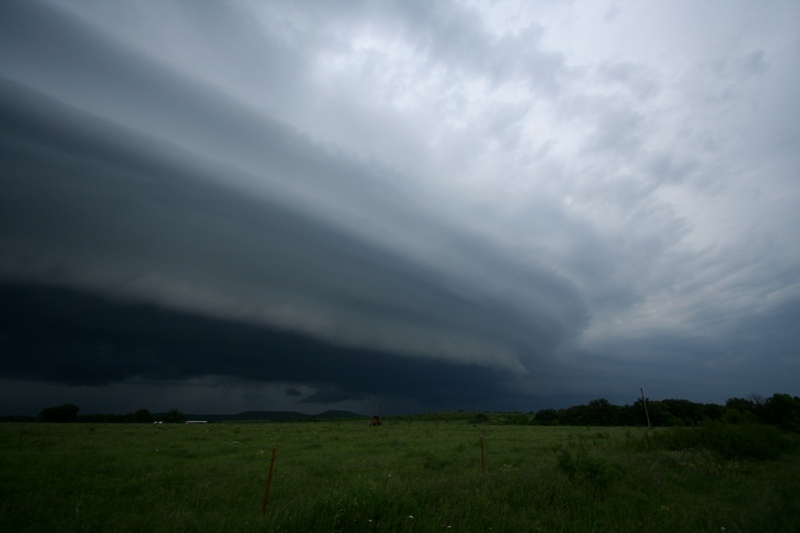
{"type": "Point", "coordinates": [519, 419]}
{"type": "Point", "coordinates": [713, 411]}
{"type": "Point", "coordinates": [175, 417]}
{"type": "Point", "coordinates": [546, 417]}
{"type": "Point", "coordinates": [657, 411]}
{"type": "Point", "coordinates": [480, 418]}
{"type": "Point", "coordinates": [600, 412]}
{"type": "Point", "coordinates": [577, 415]}
{"type": "Point", "coordinates": [741, 404]}
{"type": "Point", "coordinates": [739, 411]}
{"type": "Point", "coordinates": [781, 410]}
{"type": "Point", "coordinates": [141, 416]}
{"type": "Point", "coordinates": [65, 413]}
{"type": "Point", "coordinates": [684, 412]}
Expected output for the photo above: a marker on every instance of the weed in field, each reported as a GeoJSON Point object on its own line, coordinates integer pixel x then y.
{"type": "Point", "coordinates": [578, 464]}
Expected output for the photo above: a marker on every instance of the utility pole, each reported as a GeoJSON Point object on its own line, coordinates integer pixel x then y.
{"type": "Point", "coordinates": [644, 401]}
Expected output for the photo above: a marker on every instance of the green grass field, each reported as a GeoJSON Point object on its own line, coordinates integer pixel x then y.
{"type": "Point", "coordinates": [406, 475]}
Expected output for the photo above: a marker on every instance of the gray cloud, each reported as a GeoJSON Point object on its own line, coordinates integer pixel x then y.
{"type": "Point", "coordinates": [455, 197]}
{"type": "Point", "coordinates": [148, 217]}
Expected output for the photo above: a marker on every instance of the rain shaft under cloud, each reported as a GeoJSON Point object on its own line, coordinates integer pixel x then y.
{"type": "Point", "coordinates": [424, 203]}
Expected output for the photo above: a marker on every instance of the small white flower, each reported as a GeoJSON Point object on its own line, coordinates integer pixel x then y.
{"type": "Point", "coordinates": [410, 516]}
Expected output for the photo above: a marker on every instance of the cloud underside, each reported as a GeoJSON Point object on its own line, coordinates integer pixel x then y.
{"type": "Point", "coordinates": [77, 338]}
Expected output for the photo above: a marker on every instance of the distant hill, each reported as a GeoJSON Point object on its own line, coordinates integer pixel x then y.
{"type": "Point", "coordinates": [338, 414]}
{"type": "Point", "coordinates": [272, 416]}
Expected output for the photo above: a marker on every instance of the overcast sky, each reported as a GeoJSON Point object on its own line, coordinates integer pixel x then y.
{"type": "Point", "coordinates": [405, 206]}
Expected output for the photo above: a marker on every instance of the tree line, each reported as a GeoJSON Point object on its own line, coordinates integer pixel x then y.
{"type": "Point", "coordinates": [781, 410]}
{"type": "Point", "coordinates": [69, 413]}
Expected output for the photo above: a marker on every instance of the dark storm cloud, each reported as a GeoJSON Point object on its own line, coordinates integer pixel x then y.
{"type": "Point", "coordinates": [95, 205]}
{"type": "Point", "coordinates": [96, 193]}
{"type": "Point", "coordinates": [75, 337]}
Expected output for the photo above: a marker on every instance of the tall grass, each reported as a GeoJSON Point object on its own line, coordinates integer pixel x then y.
{"type": "Point", "coordinates": [731, 441]}
{"type": "Point", "coordinates": [403, 476]}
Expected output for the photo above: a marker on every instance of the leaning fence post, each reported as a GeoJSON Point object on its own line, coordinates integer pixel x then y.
{"type": "Point", "coordinates": [269, 478]}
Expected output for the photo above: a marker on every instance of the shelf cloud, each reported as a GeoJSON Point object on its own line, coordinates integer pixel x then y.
{"type": "Point", "coordinates": [276, 206]}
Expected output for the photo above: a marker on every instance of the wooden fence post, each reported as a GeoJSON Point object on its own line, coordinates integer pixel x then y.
{"type": "Point", "coordinates": [269, 478]}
